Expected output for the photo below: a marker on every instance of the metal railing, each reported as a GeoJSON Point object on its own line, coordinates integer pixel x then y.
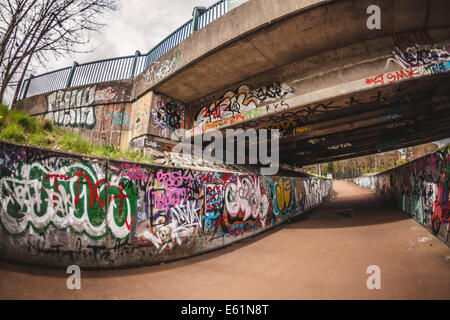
{"type": "Point", "coordinates": [354, 173]}
{"type": "Point", "coordinates": [122, 67]}
{"type": "Point", "coordinates": [46, 82]}
{"type": "Point", "coordinates": [212, 13]}
{"type": "Point", "coordinates": [168, 43]}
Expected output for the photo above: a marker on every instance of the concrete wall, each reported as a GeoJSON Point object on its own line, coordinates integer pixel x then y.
{"type": "Point", "coordinates": [419, 188]}
{"type": "Point", "coordinates": [60, 208]}
{"type": "Point", "coordinates": [108, 113]}
{"type": "Point", "coordinates": [156, 115]}
{"type": "Point", "coordinates": [101, 113]}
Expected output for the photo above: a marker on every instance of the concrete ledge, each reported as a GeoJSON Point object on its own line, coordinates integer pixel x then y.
{"type": "Point", "coordinates": [60, 209]}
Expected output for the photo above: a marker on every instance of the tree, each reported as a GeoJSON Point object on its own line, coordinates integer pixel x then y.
{"type": "Point", "coordinates": [330, 168]}
{"type": "Point", "coordinates": [31, 31]}
{"type": "Point", "coordinates": [377, 162]}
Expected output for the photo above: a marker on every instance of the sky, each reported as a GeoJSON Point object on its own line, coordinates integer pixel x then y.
{"type": "Point", "coordinates": [443, 142]}
{"type": "Point", "coordinates": [135, 25]}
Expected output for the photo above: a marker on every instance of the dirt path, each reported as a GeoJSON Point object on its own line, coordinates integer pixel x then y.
{"type": "Point", "coordinates": [323, 256]}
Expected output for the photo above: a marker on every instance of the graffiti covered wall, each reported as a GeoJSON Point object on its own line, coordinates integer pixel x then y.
{"type": "Point", "coordinates": [97, 112]}
{"type": "Point", "coordinates": [61, 209]}
{"type": "Point", "coordinates": [419, 188]}
{"type": "Point", "coordinates": [244, 104]}
{"type": "Point", "coordinates": [156, 115]}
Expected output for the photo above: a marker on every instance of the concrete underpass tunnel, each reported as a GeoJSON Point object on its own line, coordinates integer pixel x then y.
{"type": "Point", "coordinates": [417, 189]}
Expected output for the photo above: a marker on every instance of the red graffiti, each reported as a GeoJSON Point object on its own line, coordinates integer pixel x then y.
{"type": "Point", "coordinates": [77, 198]}
{"type": "Point", "coordinates": [121, 196]}
{"type": "Point", "coordinates": [93, 190]}
{"type": "Point", "coordinates": [97, 197]}
{"type": "Point", "coordinates": [56, 177]}
{"type": "Point", "coordinates": [392, 76]}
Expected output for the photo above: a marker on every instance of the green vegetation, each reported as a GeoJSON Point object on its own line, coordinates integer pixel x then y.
{"type": "Point", "coordinates": [17, 126]}
{"type": "Point", "coordinates": [317, 176]}
{"type": "Point", "coordinates": [330, 168]}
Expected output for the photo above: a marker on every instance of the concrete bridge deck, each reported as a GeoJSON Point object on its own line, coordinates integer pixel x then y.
{"type": "Point", "coordinates": [323, 256]}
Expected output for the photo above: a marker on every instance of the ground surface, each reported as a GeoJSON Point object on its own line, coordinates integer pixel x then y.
{"type": "Point", "coordinates": [323, 256]}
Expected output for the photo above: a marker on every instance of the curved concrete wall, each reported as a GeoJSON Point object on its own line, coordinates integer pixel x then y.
{"type": "Point", "coordinates": [419, 188]}
{"type": "Point", "coordinates": [61, 209]}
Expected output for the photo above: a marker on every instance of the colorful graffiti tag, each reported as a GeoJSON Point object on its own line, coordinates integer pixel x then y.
{"type": "Point", "coordinates": [159, 70]}
{"type": "Point", "coordinates": [167, 116]}
{"type": "Point", "coordinates": [73, 107]}
{"type": "Point", "coordinates": [419, 55]}
{"type": "Point", "coordinates": [145, 213]}
{"type": "Point", "coordinates": [72, 196]}
{"type": "Point", "coordinates": [243, 101]}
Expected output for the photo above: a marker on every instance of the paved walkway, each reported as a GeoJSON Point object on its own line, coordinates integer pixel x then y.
{"type": "Point", "coordinates": [322, 256]}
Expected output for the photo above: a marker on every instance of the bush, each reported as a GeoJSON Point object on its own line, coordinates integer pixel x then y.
{"type": "Point", "coordinates": [3, 110]}
{"type": "Point", "coordinates": [13, 132]}
{"type": "Point", "coordinates": [27, 122]}
{"type": "Point", "coordinates": [107, 151]}
{"type": "Point", "coordinates": [47, 125]}
{"type": "Point", "coordinates": [138, 156]}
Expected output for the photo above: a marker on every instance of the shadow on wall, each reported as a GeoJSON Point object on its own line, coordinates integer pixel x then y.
{"type": "Point", "coordinates": [419, 188]}
{"type": "Point", "coordinates": [60, 209]}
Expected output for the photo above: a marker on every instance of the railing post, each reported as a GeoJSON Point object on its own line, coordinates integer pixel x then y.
{"type": "Point", "coordinates": [133, 68]}
{"type": "Point", "coordinates": [25, 91]}
{"type": "Point", "coordinates": [72, 71]}
{"type": "Point", "coordinates": [195, 15]}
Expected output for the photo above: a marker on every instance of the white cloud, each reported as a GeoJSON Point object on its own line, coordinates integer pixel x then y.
{"type": "Point", "coordinates": [136, 25]}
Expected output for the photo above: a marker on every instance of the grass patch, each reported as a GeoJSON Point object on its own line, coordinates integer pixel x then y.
{"type": "Point", "coordinates": [13, 132]}
{"type": "Point", "coordinates": [17, 126]}
{"type": "Point", "coordinates": [74, 143]}
{"type": "Point", "coordinates": [106, 151]}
